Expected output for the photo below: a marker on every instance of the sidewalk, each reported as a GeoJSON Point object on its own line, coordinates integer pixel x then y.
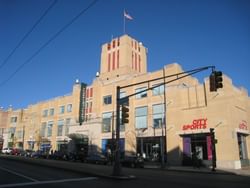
{"type": "Point", "coordinates": [244, 171]}
{"type": "Point", "coordinates": [107, 170]}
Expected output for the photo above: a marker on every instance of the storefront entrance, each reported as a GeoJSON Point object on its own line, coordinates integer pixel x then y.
{"type": "Point", "coordinates": [197, 147]}
{"type": "Point", "coordinates": [243, 149]}
{"type": "Point", "coordinates": [149, 148]}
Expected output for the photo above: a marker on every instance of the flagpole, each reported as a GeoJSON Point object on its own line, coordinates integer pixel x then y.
{"type": "Point", "coordinates": [124, 24]}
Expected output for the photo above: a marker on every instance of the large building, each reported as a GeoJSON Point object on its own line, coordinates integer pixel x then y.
{"type": "Point", "coordinates": [172, 119]}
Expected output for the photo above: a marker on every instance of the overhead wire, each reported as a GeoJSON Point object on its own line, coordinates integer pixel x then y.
{"type": "Point", "coordinates": [48, 42]}
{"type": "Point", "coordinates": [28, 33]}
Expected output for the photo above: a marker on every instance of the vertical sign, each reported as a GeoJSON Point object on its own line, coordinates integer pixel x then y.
{"type": "Point", "coordinates": [82, 103]}
{"type": "Point", "coordinates": [209, 148]}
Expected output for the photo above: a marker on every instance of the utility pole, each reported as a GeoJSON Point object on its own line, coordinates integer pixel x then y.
{"type": "Point", "coordinates": [165, 114]}
{"type": "Point", "coordinates": [113, 138]}
{"type": "Point", "coordinates": [23, 136]}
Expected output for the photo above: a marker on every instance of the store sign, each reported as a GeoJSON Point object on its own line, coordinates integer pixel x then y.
{"type": "Point", "coordinates": [196, 124]}
{"type": "Point", "coordinates": [243, 125]}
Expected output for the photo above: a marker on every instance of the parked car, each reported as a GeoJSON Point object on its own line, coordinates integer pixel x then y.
{"type": "Point", "coordinates": [37, 154]}
{"type": "Point", "coordinates": [97, 159]}
{"type": "Point", "coordinates": [16, 151]}
{"type": "Point", "coordinates": [133, 161]}
{"type": "Point", "coordinates": [6, 150]}
{"type": "Point", "coordinates": [26, 153]}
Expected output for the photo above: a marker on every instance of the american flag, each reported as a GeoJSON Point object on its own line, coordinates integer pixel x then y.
{"type": "Point", "coordinates": [126, 15]}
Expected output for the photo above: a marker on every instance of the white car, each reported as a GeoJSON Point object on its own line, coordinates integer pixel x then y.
{"type": "Point", "coordinates": [6, 150]}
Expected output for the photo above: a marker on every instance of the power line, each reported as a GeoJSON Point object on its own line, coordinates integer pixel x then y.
{"type": "Point", "coordinates": [48, 42]}
{"type": "Point", "coordinates": [28, 33]}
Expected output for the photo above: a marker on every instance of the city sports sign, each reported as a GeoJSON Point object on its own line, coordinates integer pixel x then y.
{"type": "Point", "coordinates": [196, 124]}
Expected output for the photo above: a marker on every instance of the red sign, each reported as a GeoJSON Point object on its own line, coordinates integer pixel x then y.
{"type": "Point", "coordinates": [243, 125]}
{"type": "Point", "coordinates": [196, 124]}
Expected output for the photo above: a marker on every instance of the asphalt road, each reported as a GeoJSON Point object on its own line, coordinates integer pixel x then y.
{"type": "Point", "coordinates": [17, 174]}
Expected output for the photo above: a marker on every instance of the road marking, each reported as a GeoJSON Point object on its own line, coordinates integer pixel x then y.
{"type": "Point", "coordinates": [47, 182]}
{"type": "Point", "coordinates": [18, 174]}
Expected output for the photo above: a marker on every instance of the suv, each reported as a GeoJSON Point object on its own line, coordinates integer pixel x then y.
{"type": "Point", "coordinates": [7, 150]}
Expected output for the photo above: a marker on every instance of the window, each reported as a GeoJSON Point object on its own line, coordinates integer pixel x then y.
{"type": "Point", "coordinates": [60, 124]}
{"type": "Point", "coordinates": [69, 108]}
{"type": "Point", "coordinates": [107, 99]}
{"type": "Point", "coordinates": [141, 114]}
{"type": "Point", "coordinates": [142, 94]}
{"type": "Point", "coordinates": [43, 129]}
{"type": "Point", "coordinates": [19, 134]}
{"type": "Point", "coordinates": [158, 90]}
{"type": "Point", "coordinates": [122, 126]}
{"type": "Point", "coordinates": [61, 109]}
{"type": "Point", "coordinates": [158, 115]}
{"type": "Point", "coordinates": [106, 122]}
{"type": "Point", "coordinates": [49, 128]}
{"type": "Point", "coordinates": [51, 111]}
{"type": "Point", "coordinates": [13, 119]}
{"type": "Point", "coordinates": [67, 125]}
{"type": "Point", "coordinates": [45, 113]}
{"type": "Point", "coordinates": [11, 134]}
{"type": "Point", "coordinates": [122, 95]}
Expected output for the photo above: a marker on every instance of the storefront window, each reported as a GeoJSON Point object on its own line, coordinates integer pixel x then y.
{"type": "Point", "coordinates": [242, 146]}
{"type": "Point", "coordinates": [196, 146]}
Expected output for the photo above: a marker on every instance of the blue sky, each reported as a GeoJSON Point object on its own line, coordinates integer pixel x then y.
{"type": "Point", "coordinates": [193, 33]}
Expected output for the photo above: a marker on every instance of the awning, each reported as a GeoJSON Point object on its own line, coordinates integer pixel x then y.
{"type": "Point", "coordinates": [77, 136]}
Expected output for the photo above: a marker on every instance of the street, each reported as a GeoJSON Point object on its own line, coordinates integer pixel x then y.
{"type": "Point", "coordinates": [18, 174]}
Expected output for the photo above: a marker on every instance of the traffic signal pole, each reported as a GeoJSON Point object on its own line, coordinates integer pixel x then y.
{"type": "Point", "coordinates": [117, 171]}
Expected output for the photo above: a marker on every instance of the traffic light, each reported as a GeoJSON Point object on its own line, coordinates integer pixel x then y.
{"type": "Point", "coordinates": [125, 114]}
{"type": "Point", "coordinates": [212, 82]}
{"type": "Point", "coordinates": [215, 80]}
{"type": "Point", "coordinates": [218, 79]}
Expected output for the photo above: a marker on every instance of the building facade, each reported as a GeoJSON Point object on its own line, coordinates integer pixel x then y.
{"type": "Point", "coordinates": [44, 125]}
{"type": "Point", "coordinates": [171, 121]}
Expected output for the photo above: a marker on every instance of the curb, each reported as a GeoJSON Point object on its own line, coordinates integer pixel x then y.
{"type": "Point", "coordinates": [206, 171]}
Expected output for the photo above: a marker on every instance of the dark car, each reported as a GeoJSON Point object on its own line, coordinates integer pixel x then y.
{"type": "Point", "coordinates": [27, 153]}
{"type": "Point", "coordinates": [37, 154]}
{"type": "Point", "coordinates": [97, 159]}
{"type": "Point", "coordinates": [133, 161]}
